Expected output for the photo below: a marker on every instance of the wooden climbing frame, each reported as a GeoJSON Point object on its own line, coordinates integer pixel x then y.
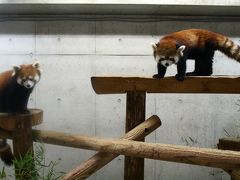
{"type": "Point", "coordinates": [136, 89]}
{"type": "Point", "coordinates": [19, 128]}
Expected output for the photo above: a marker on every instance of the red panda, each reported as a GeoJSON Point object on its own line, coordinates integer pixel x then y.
{"type": "Point", "coordinates": [197, 44]}
{"type": "Point", "coordinates": [15, 88]}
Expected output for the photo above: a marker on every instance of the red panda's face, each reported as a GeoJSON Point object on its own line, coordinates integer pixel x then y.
{"type": "Point", "coordinates": [27, 75]}
{"type": "Point", "coordinates": [166, 54]}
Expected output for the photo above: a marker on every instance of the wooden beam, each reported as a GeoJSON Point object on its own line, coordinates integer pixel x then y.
{"type": "Point", "coordinates": [12, 122]}
{"type": "Point", "coordinates": [229, 144]}
{"type": "Point", "coordinates": [135, 114]}
{"type": "Point", "coordinates": [235, 175]}
{"type": "Point", "coordinates": [100, 159]}
{"type": "Point", "coordinates": [213, 84]}
{"type": "Point", "coordinates": [224, 159]}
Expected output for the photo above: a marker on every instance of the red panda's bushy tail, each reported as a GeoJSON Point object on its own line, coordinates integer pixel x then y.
{"type": "Point", "coordinates": [6, 153]}
{"type": "Point", "coordinates": [229, 48]}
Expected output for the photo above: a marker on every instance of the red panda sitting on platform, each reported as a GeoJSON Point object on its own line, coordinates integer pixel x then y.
{"type": "Point", "coordinates": [197, 44]}
{"type": "Point", "coordinates": [15, 88]}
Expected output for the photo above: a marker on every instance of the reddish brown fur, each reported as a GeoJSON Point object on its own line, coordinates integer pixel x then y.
{"type": "Point", "coordinates": [6, 83]}
{"type": "Point", "coordinates": [28, 70]}
{"type": "Point", "coordinates": [4, 78]}
{"type": "Point", "coordinates": [198, 44]}
{"type": "Point", "coordinates": [196, 39]}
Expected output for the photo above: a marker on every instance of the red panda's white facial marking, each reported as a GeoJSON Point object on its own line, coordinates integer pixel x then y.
{"type": "Point", "coordinates": [167, 60]}
{"type": "Point", "coordinates": [28, 81]}
{"type": "Point", "coordinates": [27, 75]}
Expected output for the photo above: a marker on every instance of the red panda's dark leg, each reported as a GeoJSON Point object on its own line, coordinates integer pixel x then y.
{"type": "Point", "coordinates": [161, 71]}
{"type": "Point", "coordinates": [181, 69]}
{"type": "Point", "coordinates": [203, 65]}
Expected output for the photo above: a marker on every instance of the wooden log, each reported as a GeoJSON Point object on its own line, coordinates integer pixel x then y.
{"type": "Point", "coordinates": [4, 134]}
{"type": "Point", "coordinates": [19, 126]}
{"type": "Point", "coordinates": [23, 144]}
{"type": "Point", "coordinates": [235, 175]}
{"type": "Point", "coordinates": [135, 114]}
{"type": "Point", "coordinates": [212, 84]}
{"type": "Point", "coordinates": [229, 144]}
{"type": "Point", "coordinates": [100, 159]}
{"type": "Point", "coordinates": [224, 159]}
{"type": "Point", "coordinates": [12, 122]}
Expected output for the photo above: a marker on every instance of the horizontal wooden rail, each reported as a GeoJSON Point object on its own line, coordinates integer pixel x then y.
{"type": "Point", "coordinates": [224, 159]}
{"type": "Point", "coordinates": [211, 84]}
{"type": "Point", "coordinates": [229, 144]}
{"type": "Point", "coordinates": [100, 159]}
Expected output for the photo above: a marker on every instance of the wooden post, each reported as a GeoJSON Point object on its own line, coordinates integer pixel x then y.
{"type": "Point", "coordinates": [19, 126]}
{"type": "Point", "coordinates": [100, 159]}
{"type": "Point", "coordinates": [135, 114]}
{"type": "Point", "coordinates": [231, 144]}
{"type": "Point", "coordinates": [23, 144]}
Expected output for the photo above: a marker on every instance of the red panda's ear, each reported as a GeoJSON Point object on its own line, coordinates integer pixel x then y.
{"type": "Point", "coordinates": [16, 69]}
{"type": "Point", "coordinates": [181, 49]}
{"type": "Point", "coordinates": [36, 64]}
{"type": "Point", "coordinates": [154, 46]}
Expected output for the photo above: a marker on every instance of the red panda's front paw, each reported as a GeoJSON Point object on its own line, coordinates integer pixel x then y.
{"type": "Point", "coordinates": [180, 77]}
{"type": "Point", "coordinates": [157, 76]}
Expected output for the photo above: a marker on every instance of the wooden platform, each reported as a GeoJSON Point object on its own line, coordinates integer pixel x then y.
{"type": "Point", "coordinates": [212, 84]}
{"type": "Point", "coordinates": [136, 89]}
{"type": "Point", "coordinates": [12, 122]}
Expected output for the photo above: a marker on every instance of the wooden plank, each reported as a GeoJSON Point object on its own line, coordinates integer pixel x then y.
{"type": "Point", "coordinates": [224, 159]}
{"type": "Point", "coordinates": [12, 122]}
{"type": "Point", "coordinates": [213, 84]}
{"type": "Point", "coordinates": [229, 144]}
{"type": "Point", "coordinates": [100, 159]}
{"type": "Point", "coordinates": [135, 114]}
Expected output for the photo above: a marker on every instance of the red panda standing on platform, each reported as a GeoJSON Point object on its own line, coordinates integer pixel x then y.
{"type": "Point", "coordinates": [197, 44]}
{"type": "Point", "coordinates": [15, 88]}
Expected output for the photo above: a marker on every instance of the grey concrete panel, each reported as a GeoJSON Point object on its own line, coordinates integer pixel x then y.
{"type": "Point", "coordinates": [17, 37]}
{"type": "Point", "coordinates": [65, 94]}
{"type": "Point", "coordinates": [124, 38]}
{"type": "Point", "coordinates": [73, 51]}
{"type": "Point", "coordinates": [70, 37]}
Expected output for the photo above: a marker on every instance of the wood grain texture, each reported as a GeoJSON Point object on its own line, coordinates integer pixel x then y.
{"type": "Point", "coordinates": [12, 122]}
{"type": "Point", "coordinates": [21, 126]}
{"type": "Point", "coordinates": [100, 159]}
{"type": "Point", "coordinates": [229, 144]}
{"type": "Point", "coordinates": [235, 175]}
{"type": "Point", "coordinates": [224, 159]}
{"type": "Point", "coordinates": [212, 84]}
{"type": "Point", "coordinates": [135, 114]}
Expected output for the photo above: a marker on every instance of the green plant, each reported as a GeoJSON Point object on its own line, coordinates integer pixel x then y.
{"type": "Point", "coordinates": [2, 173]}
{"type": "Point", "coordinates": [34, 167]}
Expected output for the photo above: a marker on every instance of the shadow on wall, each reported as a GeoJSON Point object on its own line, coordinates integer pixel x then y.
{"type": "Point", "coordinates": [118, 25]}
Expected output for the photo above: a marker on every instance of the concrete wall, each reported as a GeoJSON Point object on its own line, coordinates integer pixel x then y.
{"type": "Point", "coordinates": [73, 51]}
